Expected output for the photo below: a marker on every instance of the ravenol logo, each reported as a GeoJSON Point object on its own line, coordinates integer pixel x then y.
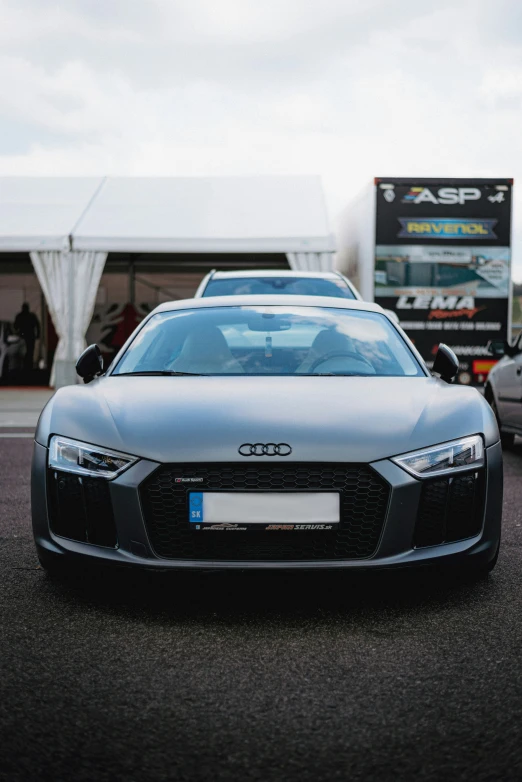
{"type": "Point", "coordinates": [445, 195]}
{"type": "Point", "coordinates": [446, 228]}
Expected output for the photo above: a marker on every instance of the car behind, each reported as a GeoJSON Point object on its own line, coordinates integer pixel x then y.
{"type": "Point", "coordinates": [503, 388]}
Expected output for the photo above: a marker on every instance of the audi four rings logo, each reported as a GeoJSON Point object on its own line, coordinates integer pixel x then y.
{"type": "Point", "coordinates": [265, 449]}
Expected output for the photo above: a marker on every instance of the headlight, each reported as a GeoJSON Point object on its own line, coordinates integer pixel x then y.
{"type": "Point", "coordinates": [456, 456]}
{"type": "Point", "coordinates": [85, 459]}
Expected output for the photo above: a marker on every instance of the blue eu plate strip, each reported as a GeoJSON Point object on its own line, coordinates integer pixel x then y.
{"type": "Point", "coordinates": [196, 507]}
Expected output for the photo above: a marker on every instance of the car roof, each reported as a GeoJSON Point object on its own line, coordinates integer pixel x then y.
{"type": "Point", "coordinates": [276, 273]}
{"type": "Point", "coordinates": [326, 302]}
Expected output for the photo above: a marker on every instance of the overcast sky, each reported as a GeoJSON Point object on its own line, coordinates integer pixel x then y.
{"type": "Point", "coordinates": [348, 90]}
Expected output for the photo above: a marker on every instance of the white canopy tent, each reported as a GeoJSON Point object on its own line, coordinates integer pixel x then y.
{"type": "Point", "coordinates": [214, 214]}
{"type": "Point", "coordinates": [68, 225]}
{"type": "Point", "coordinates": [40, 213]}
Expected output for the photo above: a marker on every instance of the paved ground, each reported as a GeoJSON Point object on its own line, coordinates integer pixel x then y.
{"type": "Point", "coordinates": [243, 677]}
{"type": "Point", "coordinates": [20, 407]}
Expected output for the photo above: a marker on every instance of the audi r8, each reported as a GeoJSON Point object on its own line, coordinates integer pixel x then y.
{"type": "Point", "coordinates": [267, 432]}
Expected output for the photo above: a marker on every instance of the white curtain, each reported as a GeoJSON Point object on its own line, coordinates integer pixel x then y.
{"type": "Point", "coordinates": [311, 262]}
{"type": "Point", "coordinates": [69, 280]}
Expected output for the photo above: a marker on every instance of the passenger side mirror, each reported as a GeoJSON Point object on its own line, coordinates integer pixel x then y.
{"type": "Point", "coordinates": [446, 363]}
{"type": "Point", "coordinates": [500, 348]}
{"type": "Point", "coordinates": [90, 363]}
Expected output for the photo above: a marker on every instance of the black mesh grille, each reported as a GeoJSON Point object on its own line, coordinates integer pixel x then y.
{"type": "Point", "coordinates": [364, 500]}
{"type": "Point", "coordinates": [81, 508]}
{"type": "Point", "coordinates": [449, 510]}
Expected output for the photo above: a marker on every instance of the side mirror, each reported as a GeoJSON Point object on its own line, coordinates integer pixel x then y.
{"type": "Point", "coordinates": [446, 363]}
{"type": "Point", "coordinates": [497, 347]}
{"type": "Point", "coordinates": [90, 363]}
{"type": "Point", "coordinates": [501, 347]}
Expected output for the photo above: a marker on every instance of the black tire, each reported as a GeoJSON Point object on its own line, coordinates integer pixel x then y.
{"type": "Point", "coordinates": [506, 438]}
{"type": "Point", "coordinates": [478, 571]}
{"type": "Point", "coordinates": [55, 565]}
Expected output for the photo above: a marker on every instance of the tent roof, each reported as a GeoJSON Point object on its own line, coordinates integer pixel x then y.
{"type": "Point", "coordinates": [156, 214]}
{"type": "Point", "coordinates": [39, 213]}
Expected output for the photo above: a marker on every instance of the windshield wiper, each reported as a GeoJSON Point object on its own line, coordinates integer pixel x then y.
{"type": "Point", "coordinates": [332, 374]}
{"type": "Point", "coordinates": [158, 372]}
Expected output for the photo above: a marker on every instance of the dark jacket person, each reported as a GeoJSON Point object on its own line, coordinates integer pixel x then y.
{"type": "Point", "coordinates": [27, 325]}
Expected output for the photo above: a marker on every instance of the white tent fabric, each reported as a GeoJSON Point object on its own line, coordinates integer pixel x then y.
{"type": "Point", "coordinates": [39, 213]}
{"type": "Point", "coordinates": [69, 224]}
{"type": "Point", "coordinates": [69, 280]}
{"type": "Point", "coordinates": [257, 214]}
{"type": "Point", "coordinates": [311, 262]}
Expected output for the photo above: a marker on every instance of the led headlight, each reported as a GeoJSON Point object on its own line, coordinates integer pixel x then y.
{"type": "Point", "coordinates": [84, 459]}
{"type": "Point", "coordinates": [446, 459]}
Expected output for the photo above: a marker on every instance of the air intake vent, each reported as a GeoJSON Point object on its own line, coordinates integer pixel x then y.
{"type": "Point", "coordinates": [449, 510]}
{"type": "Point", "coordinates": [81, 508]}
{"type": "Point", "coordinates": [364, 502]}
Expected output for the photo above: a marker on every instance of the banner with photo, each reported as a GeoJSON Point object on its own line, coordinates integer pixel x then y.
{"type": "Point", "coordinates": [457, 295]}
{"type": "Point", "coordinates": [443, 264]}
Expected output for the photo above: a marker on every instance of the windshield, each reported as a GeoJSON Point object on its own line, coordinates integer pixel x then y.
{"type": "Point", "coordinates": [269, 340]}
{"type": "Point", "coordinates": [299, 286]}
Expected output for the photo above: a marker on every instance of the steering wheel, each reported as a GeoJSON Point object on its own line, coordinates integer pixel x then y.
{"type": "Point", "coordinates": [339, 354]}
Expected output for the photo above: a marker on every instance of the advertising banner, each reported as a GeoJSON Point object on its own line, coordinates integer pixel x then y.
{"type": "Point", "coordinates": [443, 264]}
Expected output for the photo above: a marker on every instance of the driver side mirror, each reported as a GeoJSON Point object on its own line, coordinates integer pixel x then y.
{"type": "Point", "coordinates": [90, 363]}
{"type": "Point", "coordinates": [446, 363]}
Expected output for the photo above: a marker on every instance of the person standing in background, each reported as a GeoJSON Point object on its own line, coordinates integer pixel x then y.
{"type": "Point", "coordinates": [28, 327]}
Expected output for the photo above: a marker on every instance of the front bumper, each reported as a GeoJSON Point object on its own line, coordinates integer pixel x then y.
{"type": "Point", "coordinates": [395, 547]}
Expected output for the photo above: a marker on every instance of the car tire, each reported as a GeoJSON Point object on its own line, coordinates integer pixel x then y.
{"type": "Point", "coordinates": [478, 571]}
{"type": "Point", "coordinates": [54, 565]}
{"type": "Point", "coordinates": [506, 438]}
{"type": "Point", "coordinates": [469, 571]}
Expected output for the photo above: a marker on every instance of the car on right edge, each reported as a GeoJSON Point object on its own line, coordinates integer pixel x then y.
{"type": "Point", "coordinates": [504, 388]}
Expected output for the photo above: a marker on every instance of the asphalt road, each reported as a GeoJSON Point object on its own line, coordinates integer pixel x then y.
{"type": "Point", "coordinates": [244, 676]}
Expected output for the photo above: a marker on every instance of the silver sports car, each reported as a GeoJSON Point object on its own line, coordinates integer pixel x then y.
{"type": "Point", "coordinates": [267, 432]}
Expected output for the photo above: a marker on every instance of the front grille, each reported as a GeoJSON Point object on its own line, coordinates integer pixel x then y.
{"type": "Point", "coordinates": [81, 508]}
{"type": "Point", "coordinates": [364, 501]}
{"type": "Point", "coordinates": [449, 510]}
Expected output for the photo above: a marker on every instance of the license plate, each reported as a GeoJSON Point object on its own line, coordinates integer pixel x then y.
{"type": "Point", "coordinates": [272, 511]}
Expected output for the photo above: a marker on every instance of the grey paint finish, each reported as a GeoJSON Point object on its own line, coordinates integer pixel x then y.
{"type": "Point", "coordinates": [340, 419]}
{"type": "Point", "coordinates": [323, 419]}
{"type": "Point", "coordinates": [395, 548]}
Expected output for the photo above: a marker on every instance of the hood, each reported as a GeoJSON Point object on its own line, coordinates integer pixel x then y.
{"type": "Point", "coordinates": [334, 419]}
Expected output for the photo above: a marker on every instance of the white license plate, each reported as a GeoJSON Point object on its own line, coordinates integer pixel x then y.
{"type": "Point", "coordinates": [264, 510]}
